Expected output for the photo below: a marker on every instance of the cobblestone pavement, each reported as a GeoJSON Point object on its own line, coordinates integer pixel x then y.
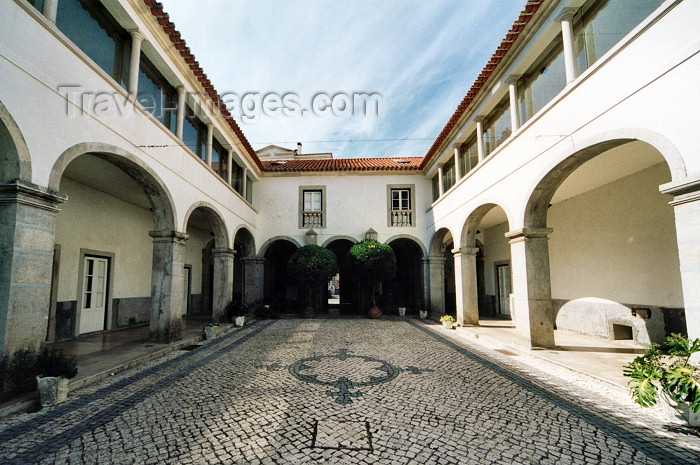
{"type": "Point", "coordinates": [339, 392]}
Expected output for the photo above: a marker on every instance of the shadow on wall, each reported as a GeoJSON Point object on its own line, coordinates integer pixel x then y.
{"type": "Point", "coordinates": [642, 324]}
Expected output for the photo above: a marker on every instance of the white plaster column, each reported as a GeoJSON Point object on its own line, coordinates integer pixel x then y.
{"type": "Point", "coordinates": [686, 209]}
{"type": "Point", "coordinates": [465, 286]}
{"type": "Point", "coordinates": [514, 109]}
{"type": "Point", "coordinates": [441, 186]}
{"type": "Point", "coordinates": [253, 285]}
{"type": "Point", "coordinates": [567, 38]}
{"type": "Point", "coordinates": [27, 231]}
{"type": "Point", "coordinates": [437, 285]}
{"type": "Point", "coordinates": [181, 106]}
{"type": "Point", "coordinates": [210, 142]}
{"type": "Point", "coordinates": [50, 9]}
{"type": "Point", "coordinates": [167, 285]}
{"type": "Point", "coordinates": [229, 166]}
{"type": "Point", "coordinates": [222, 286]}
{"type": "Point", "coordinates": [134, 62]}
{"type": "Point", "coordinates": [532, 291]}
{"type": "Point", "coordinates": [458, 167]}
{"type": "Point", "coordinates": [480, 138]}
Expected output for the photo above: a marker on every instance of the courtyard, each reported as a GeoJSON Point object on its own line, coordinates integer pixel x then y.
{"type": "Point", "coordinates": [343, 391]}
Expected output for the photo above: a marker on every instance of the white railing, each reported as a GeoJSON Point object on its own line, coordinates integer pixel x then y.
{"type": "Point", "coordinates": [401, 218]}
{"type": "Point", "coordinates": [313, 219]}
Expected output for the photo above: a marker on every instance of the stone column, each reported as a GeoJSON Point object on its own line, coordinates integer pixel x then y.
{"type": "Point", "coordinates": [437, 285]}
{"type": "Point", "coordinates": [181, 106]}
{"type": "Point", "coordinates": [27, 230]}
{"type": "Point", "coordinates": [567, 38]}
{"type": "Point", "coordinates": [223, 280]}
{"type": "Point", "coordinates": [254, 279]}
{"type": "Point", "coordinates": [210, 142]}
{"type": "Point", "coordinates": [686, 208]}
{"type": "Point", "coordinates": [513, 96]}
{"type": "Point", "coordinates": [167, 285]}
{"type": "Point", "coordinates": [480, 150]}
{"type": "Point", "coordinates": [50, 9]}
{"type": "Point", "coordinates": [465, 286]}
{"type": "Point", "coordinates": [531, 285]}
{"type": "Point", "coordinates": [441, 185]}
{"type": "Point", "coordinates": [134, 62]}
{"type": "Point", "coordinates": [458, 166]}
{"type": "Point", "coordinates": [425, 269]}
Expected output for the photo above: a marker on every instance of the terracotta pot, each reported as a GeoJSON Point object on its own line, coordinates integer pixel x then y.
{"type": "Point", "coordinates": [374, 312]}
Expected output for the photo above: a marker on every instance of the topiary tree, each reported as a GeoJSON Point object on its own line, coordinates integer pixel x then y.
{"type": "Point", "coordinates": [312, 266]}
{"type": "Point", "coordinates": [372, 262]}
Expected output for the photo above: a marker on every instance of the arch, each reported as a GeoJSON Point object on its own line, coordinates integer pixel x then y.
{"type": "Point", "coordinates": [15, 162]}
{"type": "Point", "coordinates": [436, 241]}
{"type": "Point", "coordinates": [424, 251]}
{"type": "Point", "coordinates": [535, 215]}
{"type": "Point", "coordinates": [473, 221]}
{"type": "Point", "coordinates": [244, 237]}
{"type": "Point", "coordinates": [214, 217]}
{"type": "Point", "coordinates": [335, 238]}
{"type": "Point", "coordinates": [270, 241]}
{"type": "Point", "coordinates": [152, 185]}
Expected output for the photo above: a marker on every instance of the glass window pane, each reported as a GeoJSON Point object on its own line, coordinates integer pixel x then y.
{"type": "Point", "coordinates": [543, 85]}
{"type": "Point", "coordinates": [497, 131]}
{"type": "Point", "coordinates": [249, 191]}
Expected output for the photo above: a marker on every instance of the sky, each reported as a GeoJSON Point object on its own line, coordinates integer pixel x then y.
{"type": "Point", "coordinates": [298, 70]}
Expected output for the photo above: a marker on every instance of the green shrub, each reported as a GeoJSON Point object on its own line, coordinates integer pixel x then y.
{"type": "Point", "coordinates": [17, 373]}
{"type": "Point", "coordinates": [52, 362]}
{"type": "Point", "coordinates": [372, 262]}
{"type": "Point", "coordinates": [312, 265]}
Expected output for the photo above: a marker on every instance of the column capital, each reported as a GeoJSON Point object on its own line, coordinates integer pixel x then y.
{"type": "Point", "coordinates": [465, 251]}
{"type": "Point", "coordinates": [513, 79]}
{"type": "Point", "coordinates": [253, 259]}
{"type": "Point", "coordinates": [180, 90]}
{"type": "Point", "coordinates": [221, 251]}
{"type": "Point", "coordinates": [567, 14]}
{"type": "Point", "coordinates": [136, 34]}
{"type": "Point", "coordinates": [479, 119]}
{"type": "Point", "coordinates": [523, 234]}
{"type": "Point", "coordinates": [29, 194]}
{"type": "Point", "coordinates": [164, 236]}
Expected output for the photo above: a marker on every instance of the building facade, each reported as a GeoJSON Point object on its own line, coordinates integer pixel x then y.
{"type": "Point", "coordinates": [562, 193]}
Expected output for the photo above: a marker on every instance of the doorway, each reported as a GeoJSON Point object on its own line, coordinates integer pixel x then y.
{"type": "Point", "coordinates": [94, 293]}
{"type": "Point", "coordinates": [503, 288]}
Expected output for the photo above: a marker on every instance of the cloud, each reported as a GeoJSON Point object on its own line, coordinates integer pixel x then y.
{"type": "Point", "coordinates": [420, 56]}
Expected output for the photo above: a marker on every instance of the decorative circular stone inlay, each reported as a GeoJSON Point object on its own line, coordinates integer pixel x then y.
{"type": "Point", "coordinates": [346, 372]}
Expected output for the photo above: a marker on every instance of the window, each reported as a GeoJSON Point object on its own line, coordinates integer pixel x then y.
{"type": "Point", "coordinates": [249, 190]}
{"type": "Point", "coordinates": [542, 83]}
{"type": "Point", "coordinates": [448, 175]}
{"type": "Point", "coordinates": [312, 206]}
{"type": "Point", "coordinates": [194, 136]}
{"type": "Point", "coordinates": [38, 4]}
{"type": "Point", "coordinates": [156, 94]}
{"type": "Point", "coordinates": [401, 211]}
{"type": "Point", "coordinates": [237, 177]}
{"type": "Point", "coordinates": [604, 24]}
{"type": "Point", "coordinates": [219, 160]}
{"type": "Point", "coordinates": [436, 187]}
{"type": "Point", "coordinates": [498, 129]}
{"type": "Point", "coordinates": [95, 32]}
{"type": "Point", "coordinates": [468, 156]}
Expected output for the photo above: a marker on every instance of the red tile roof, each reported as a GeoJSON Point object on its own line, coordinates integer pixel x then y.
{"type": "Point", "coordinates": [343, 164]}
{"type": "Point", "coordinates": [175, 37]}
{"type": "Point", "coordinates": [512, 35]}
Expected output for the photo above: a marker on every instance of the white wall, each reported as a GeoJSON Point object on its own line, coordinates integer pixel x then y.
{"type": "Point", "coordinates": [91, 219]}
{"type": "Point", "coordinates": [617, 242]}
{"type": "Point", "coordinates": [496, 249]}
{"type": "Point", "coordinates": [193, 256]}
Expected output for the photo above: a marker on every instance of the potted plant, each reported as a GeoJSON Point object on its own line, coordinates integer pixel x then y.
{"type": "Point", "coordinates": [670, 377]}
{"type": "Point", "coordinates": [313, 266]}
{"type": "Point", "coordinates": [423, 314]}
{"type": "Point", "coordinates": [372, 262]}
{"type": "Point", "coordinates": [210, 330]}
{"type": "Point", "coordinates": [447, 321]}
{"type": "Point", "coordinates": [55, 369]}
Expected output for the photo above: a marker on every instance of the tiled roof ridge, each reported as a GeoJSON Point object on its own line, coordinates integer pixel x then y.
{"type": "Point", "coordinates": [512, 35]}
{"type": "Point", "coordinates": [168, 26]}
{"type": "Point", "coordinates": [344, 164]}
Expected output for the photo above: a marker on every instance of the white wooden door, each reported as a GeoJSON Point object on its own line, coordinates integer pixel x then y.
{"type": "Point", "coordinates": [92, 315]}
{"type": "Point", "coordinates": [186, 291]}
{"type": "Point", "coordinates": [504, 289]}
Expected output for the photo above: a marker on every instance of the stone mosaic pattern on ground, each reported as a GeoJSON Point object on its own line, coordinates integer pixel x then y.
{"type": "Point", "coordinates": [238, 400]}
